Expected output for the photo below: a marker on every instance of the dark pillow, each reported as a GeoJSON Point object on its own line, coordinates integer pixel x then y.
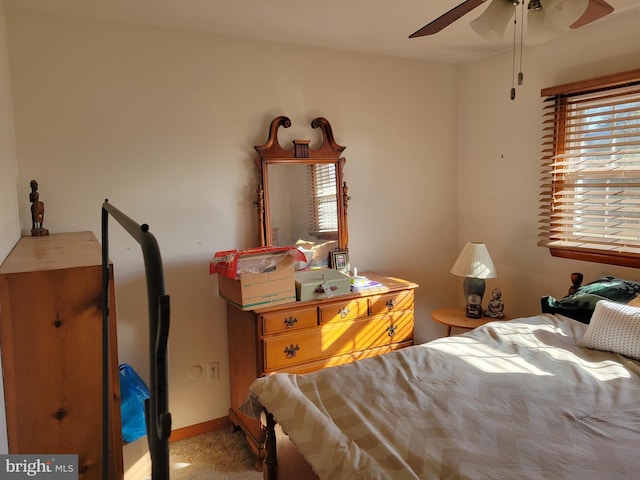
{"type": "Point", "coordinates": [580, 304]}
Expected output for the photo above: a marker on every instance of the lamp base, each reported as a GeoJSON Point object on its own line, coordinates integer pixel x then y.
{"type": "Point", "coordinates": [473, 292]}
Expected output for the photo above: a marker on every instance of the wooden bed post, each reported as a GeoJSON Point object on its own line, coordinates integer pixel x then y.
{"type": "Point", "coordinates": [269, 469]}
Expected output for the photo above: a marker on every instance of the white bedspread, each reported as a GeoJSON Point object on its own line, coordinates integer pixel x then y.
{"type": "Point", "coordinates": [510, 400]}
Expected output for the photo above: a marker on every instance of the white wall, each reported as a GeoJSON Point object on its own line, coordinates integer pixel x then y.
{"type": "Point", "coordinates": [500, 155]}
{"type": "Point", "coordinates": [9, 218]}
{"type": "Point", "coordinates": [163, 124]}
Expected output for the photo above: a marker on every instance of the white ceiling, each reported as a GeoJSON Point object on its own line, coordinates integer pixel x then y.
{"type": "Point", "coordinates": [373, 26]}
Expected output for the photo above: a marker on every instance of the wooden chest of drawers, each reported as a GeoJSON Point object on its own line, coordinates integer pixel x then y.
{"type": "Point", "coordinates": [51, 336]}
{"type": "Point", "coordinates": [302, 337]}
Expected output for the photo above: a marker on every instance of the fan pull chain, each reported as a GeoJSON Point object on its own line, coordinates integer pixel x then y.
{"type": "Point", "coordinates": [520, 74]}
{"type": "Point", "coordinates": [513, 63]}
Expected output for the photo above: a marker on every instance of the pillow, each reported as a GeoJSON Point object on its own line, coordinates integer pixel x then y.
{"type": "Point", "coordinates": [321, 253]}
{"type": "Point", "coordinates": [580, 304]}
{"type": "Point", "coordinates": [306, 244]}
{"type": "Point", "coordinates": [614, 327]}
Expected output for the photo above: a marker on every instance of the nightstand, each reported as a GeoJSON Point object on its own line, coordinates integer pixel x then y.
{"type": "Point", "coordinates": [455, 317]}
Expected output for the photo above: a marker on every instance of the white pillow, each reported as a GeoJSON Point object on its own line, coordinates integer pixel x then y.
{"type": "Point", "coordinates": [614, 327]}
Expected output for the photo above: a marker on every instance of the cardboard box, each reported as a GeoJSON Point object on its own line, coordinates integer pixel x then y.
{"type": "Point", "coordinates": [255, 278]}
{"type": "Point", "coordinates": [322, 283]}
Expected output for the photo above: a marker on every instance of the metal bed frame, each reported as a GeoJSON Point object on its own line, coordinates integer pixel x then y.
{"type": "Point", "coordinates": [158, 417]}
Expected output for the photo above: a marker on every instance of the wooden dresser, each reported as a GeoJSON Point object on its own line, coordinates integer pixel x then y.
{"type": "Point", "coordinates": [305, 336]}
{"type": "Point", "coordinates": [51, 342]}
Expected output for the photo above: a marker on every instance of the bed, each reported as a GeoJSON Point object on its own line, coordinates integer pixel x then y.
{"type": "Point", "coordinates": [543, 397]}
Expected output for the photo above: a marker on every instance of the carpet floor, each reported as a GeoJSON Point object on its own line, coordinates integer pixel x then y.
{"type": "Point", "coordinates": [217, 455]}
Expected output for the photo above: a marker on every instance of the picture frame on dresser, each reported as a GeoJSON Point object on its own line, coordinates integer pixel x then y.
{"type": "Point", "coordinates": [340, 261]}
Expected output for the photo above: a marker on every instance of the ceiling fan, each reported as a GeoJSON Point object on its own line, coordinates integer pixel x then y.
{"type": "Point", "coordinates": [544, 16]}
{"type": "Point", "coordinates": [545, 20]}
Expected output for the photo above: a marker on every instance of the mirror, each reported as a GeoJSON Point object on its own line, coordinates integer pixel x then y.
{"type": "Point", "coordinates": [303, 203]}
{"type": "Point", "coordinates": [302, 199]}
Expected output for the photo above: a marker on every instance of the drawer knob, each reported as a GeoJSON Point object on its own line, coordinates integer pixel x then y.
{"type": "Point", "coordinates": [344, 312]}
{"type": "Point", "coordinates": [291, 350]}
{"type": "Point", "coordinates": [391, 330]}
{"type": "Point", "coordinates": [290, 322]}
{"type": "Point", "coordinates": [391, 303]}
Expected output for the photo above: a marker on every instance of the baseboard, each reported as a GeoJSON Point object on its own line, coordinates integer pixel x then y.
{"type": "Point", "coordinates": [199, 428]}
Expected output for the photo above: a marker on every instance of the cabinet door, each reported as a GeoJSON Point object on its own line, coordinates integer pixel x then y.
{"type": "Point", "coordinates": [52, 358]}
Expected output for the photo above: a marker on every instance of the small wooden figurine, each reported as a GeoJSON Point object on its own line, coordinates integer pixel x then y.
{"type": "Point", "coordinates": [576, 282]}
{"type": "Point", "coordinates": [37, 212]}
{"type": "Point", "coordinates": [495, 309]}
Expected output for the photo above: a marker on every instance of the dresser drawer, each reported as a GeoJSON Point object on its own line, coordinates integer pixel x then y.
{"type": "Point", "coordinates": [289, 320]}
{"type": "Point", "coordinates": [288, 351]}
{"type": "Point", "coordinates": [391, 302]}
{"type": "Point", "coordinates": [348, 358]}
{"type": "Point", "coordinates": [343, 310]}
{"type": "Point", "coordinates": [398, 327]}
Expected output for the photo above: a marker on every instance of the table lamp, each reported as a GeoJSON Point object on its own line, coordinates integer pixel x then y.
{"type": "Point", "coordinates": [474, 264]}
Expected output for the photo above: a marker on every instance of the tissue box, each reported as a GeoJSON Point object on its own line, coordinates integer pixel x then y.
{"type": "Point", "coordinates": [322, 283]}
{"type": "Point", "coordinates": [257, 277]}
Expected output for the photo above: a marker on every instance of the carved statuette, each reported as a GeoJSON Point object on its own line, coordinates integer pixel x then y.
{"type": "Point", "coordinates": [37, 212]}
{"type": "Point", "coordinates": [496, 305]}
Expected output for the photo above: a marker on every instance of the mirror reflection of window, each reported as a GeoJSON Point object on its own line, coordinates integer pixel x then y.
{"type": "Point", "coordinates": [322, 200]}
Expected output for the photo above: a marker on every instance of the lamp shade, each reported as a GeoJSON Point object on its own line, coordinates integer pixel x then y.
{"type": "Point", "coordinates": [537, 31]}
{"type": "Point", "coordinates": [474, 262]}
{"type": "Point", "coordinates": [492, 23]}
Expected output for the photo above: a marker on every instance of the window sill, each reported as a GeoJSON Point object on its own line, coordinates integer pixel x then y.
{"type": "Point", "coordinates": [609, 258]}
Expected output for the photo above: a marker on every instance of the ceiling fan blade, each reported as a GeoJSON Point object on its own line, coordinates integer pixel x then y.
{"type": "Point", "coordinates": [448, 18]}
{"type": "Point", "coordinates": [595, 10]}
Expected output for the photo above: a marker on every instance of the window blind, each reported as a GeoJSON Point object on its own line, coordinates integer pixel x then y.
{"type": "Point", "coordinates": [322, 201]}
{"type": "Point", "coordinates": [591, 170]}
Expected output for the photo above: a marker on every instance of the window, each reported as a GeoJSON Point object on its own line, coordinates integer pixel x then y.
{"type": "Point", "coordinates": [322, 201]}
{"type": "Point", "coordinates": [591, 177]}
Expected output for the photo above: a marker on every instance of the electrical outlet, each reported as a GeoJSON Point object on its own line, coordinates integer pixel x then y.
{"type": "Point", "coordinates": [213, 371]}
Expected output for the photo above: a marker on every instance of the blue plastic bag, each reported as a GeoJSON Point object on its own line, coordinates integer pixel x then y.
{"type": "Point", "coordinates": [133, 393]}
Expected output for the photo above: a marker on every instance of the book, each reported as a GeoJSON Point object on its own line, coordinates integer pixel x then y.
{"type": "Point", "coordinates": [365, 284]}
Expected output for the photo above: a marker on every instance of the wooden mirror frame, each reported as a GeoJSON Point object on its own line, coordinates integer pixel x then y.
{"type": "Point", "coordinates": [272, 153]}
